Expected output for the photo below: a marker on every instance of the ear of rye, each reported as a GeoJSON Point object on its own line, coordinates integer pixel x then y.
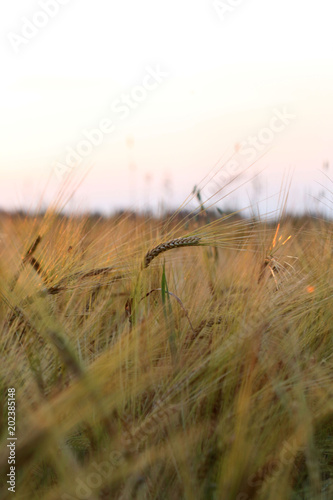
{"type": "Point", "coordinates": [187, 241]}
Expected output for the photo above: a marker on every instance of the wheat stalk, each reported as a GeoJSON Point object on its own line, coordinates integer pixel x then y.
{"type": "Point", "coordinates": [187, 241]}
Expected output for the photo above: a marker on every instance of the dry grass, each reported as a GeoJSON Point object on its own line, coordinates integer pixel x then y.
{"type": "Point", "coordinates": [219, 387]}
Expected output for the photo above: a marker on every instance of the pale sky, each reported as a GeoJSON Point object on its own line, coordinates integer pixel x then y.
{"type": "Point", "coordinates": [226, 72]}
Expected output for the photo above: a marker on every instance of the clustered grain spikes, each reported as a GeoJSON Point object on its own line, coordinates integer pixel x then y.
{"type": "Point", "coordinates": [187, 241]}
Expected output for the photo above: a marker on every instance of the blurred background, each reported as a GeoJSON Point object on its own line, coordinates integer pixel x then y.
{"type": "Point", "coordinates": [176, 90]}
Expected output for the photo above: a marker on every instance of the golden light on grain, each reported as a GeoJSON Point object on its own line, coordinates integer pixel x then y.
{"type": "Point", "coordinates": [280, 238]}
{"type": "Point", "coordinates": [275, 235]}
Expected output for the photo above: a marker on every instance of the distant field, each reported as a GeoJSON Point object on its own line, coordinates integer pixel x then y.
{"type": "Point", "coordinates": [183, 358]}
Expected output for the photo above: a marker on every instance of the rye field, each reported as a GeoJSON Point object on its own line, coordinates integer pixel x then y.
{"type": "Point", "coordinates": [183, 357]}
